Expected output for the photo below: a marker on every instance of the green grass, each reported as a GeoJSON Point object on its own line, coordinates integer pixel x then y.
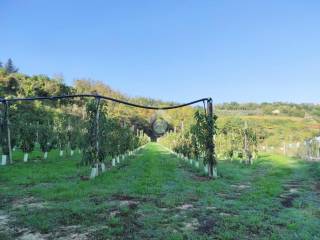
{"type": "Point", "coordinates": [153, 195]}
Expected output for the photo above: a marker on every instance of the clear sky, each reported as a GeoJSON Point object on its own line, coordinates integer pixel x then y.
{"type": "Point", "coordinates": [172, 50]}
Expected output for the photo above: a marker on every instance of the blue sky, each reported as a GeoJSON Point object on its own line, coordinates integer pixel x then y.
{"type": "Point", "coordinates": [246, 51]}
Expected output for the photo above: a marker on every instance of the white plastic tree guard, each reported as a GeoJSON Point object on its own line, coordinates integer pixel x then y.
{"type": "Point", "coordinates": [4, 160]}
{"type": "Point", "coordinates": [25, 157]}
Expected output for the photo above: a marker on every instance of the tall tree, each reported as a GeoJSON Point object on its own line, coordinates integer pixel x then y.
{"type": "Point", "coordinates": [9, 67]}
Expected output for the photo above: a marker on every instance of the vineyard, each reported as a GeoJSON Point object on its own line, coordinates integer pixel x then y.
{"type": "Point", "coordinates": [98, 139]}
{"type": "Point", "coordinates": [71, 171]}
{"type": "Point", "coordinates": [86, 162]}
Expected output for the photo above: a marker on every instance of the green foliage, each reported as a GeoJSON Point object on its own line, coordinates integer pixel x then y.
{"type": "Point", "coordinates": [107, 136]}
{"type": "Point", "coordinates": [9, 84]}
{"type": "Point", "coordinates": [276, 108]}
{"type": "Point", "coordinates": [60, 128]}
{"type": "Point", "coordinates": [26, 127]}
{"type": "Point", "coordinates": [73, 132]}
{"type": "Point", "coordinates": [237, 139]}
{"type": "Point", "coordinates": [193, 141]}
{"type": "Point", "coordinates": [46, 136]}
{"type": "Point", "coordinates": [27, 137]}
{"type": "Point", "coordinates": [3, 130]}
{"type": "Point", "coordinates": [204, 129]}
{"type": "Point", "coordinates": [96, 133]}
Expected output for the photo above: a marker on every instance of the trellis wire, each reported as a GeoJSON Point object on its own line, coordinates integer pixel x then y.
{"type": "Point", "coordinates": [4, 100]}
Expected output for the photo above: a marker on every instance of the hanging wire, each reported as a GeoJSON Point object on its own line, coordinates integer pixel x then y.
{"type": "Point", "coordinates": [4, 100]}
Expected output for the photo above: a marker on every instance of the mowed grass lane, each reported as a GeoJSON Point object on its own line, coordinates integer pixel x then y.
{"type": "Point", "coordinates": [154, 195]}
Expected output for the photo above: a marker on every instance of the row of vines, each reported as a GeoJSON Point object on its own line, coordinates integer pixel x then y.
{"type": "Point", "coordinates": [234, 140]}
{"type": "Point", "coordinates": [193, 141]}
{"type": "Point", "coordinates": [88, 129]}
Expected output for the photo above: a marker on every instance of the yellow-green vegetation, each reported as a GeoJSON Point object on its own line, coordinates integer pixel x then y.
{"type": "Point", "coordinates": [276, 130]}
{"type": "Point", "coordinates": [153, 195]}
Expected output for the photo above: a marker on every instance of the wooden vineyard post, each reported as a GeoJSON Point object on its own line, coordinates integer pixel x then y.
{"type": "Point", "coordinates": [8, 131]}
{"type": "Point", "coordinates": [210, 144]}
{"type": "Point", "coordinates": [97, 136]}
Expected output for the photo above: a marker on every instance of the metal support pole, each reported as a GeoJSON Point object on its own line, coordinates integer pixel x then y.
{"type": "Point", "coordinates": [210, 144]}
{"type": "Point", "coordinates": [97, 125]}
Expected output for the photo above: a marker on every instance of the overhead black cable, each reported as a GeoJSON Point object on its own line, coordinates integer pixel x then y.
{"type": "Point", "coordinates": [4, 100]}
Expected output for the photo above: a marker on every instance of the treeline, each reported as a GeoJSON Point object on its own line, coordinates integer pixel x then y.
{"type": "Point", "coordinates": [15, 84]}
{"type": "Point", "coordinates": [65, 125]}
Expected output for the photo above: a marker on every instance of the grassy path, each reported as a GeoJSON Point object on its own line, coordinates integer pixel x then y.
{"type": "Point", "coordinates": [155, 196]}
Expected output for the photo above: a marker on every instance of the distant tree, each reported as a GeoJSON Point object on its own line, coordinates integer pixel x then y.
{"type": "Point", "coordinates": [9, 67]}
{"type": "Point", "coordinates": [1, 65]}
